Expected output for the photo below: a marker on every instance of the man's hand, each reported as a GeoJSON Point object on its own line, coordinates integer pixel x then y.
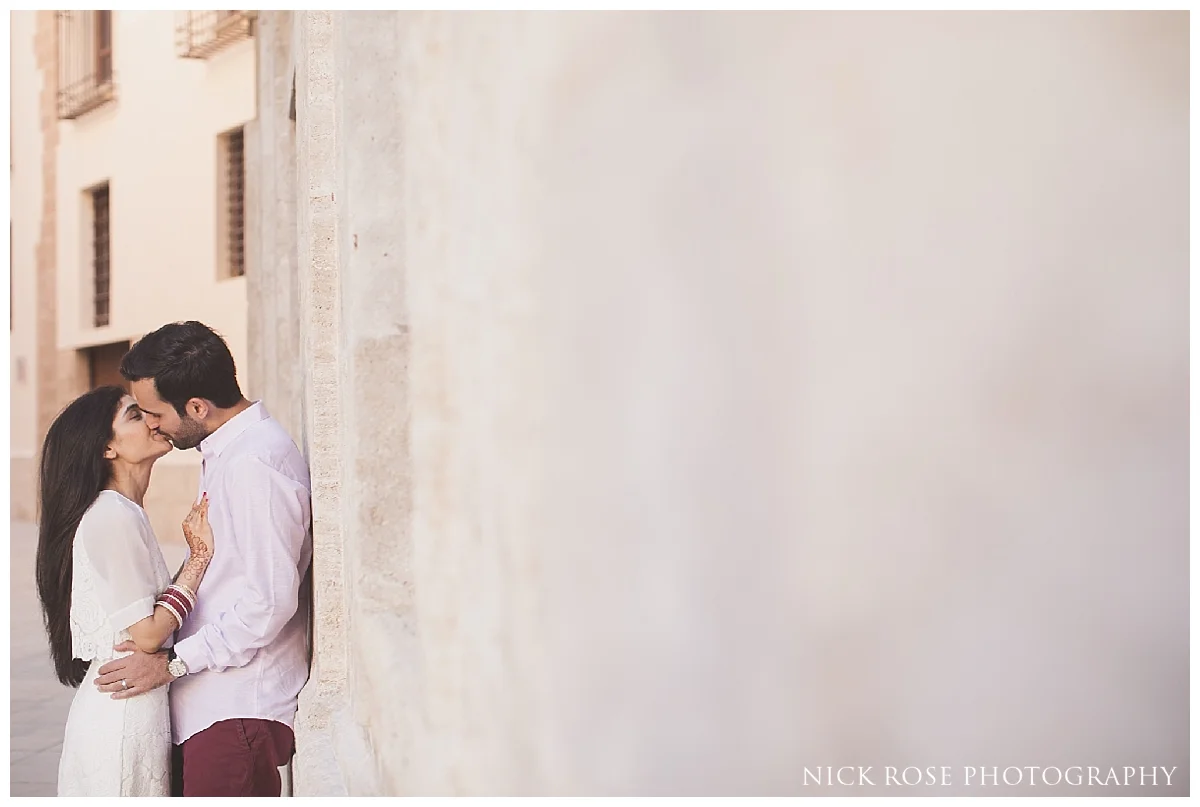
{"type": "Point", "coordinates": [133, 675]}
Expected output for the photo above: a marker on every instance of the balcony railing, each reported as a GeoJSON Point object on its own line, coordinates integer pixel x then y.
{"type": "Point", "coordinates": [200, 34]}
{"type": "Point", "coordinates": [85, 61]}
{"type": "Point", "coordinates": [233, 216]}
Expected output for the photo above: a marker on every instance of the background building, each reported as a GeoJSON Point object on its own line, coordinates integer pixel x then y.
{"type": "Point", "coordinates": [693, 399]}
{"type": "Point", "coordinates": [128, 208]}
{"type": "Point", "coordinates": [31, 225]}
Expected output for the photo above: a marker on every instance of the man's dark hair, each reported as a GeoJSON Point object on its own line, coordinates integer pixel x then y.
{"type": "Point", "coordinates": [186, 360]}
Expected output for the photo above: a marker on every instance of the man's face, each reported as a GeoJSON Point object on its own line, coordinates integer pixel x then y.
{"type": "Point", "coordinates": [161, 417]}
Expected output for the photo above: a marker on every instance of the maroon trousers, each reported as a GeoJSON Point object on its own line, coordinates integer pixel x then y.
{"type": "Point", "coordinates": [239, 757]}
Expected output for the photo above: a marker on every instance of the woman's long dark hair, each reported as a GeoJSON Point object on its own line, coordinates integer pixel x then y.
{"type": "Point", "coordinates": [73, 471]}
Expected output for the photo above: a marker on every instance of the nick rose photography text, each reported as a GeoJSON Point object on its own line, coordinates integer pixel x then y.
{"type": "Point", "coordinates": [990, 776]}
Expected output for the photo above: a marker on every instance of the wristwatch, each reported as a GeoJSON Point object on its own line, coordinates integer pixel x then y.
{"type": "Point", "coordinates": [175, 665]}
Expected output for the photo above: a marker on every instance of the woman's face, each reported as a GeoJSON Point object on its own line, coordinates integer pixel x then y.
{"type": "Point", "coordinates": [133, 441]}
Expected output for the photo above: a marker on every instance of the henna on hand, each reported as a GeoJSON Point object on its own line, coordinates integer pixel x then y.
{"type": "Point", "coordinates": [195, 564]}
{"type": "Point", "coordinates": [197, 531]}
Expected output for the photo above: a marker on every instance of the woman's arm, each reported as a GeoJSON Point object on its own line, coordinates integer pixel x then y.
{"type": "Point", "coordinates": [150, 633]}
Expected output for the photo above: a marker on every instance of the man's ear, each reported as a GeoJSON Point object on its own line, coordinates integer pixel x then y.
{"type": "Point", "coordinates": [198, 408]}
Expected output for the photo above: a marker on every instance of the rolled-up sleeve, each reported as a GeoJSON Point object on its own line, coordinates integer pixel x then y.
{"type": "Point", "coordinates": [267, 510]}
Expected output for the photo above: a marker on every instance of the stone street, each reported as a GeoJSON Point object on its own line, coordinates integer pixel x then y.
{"type": "Point", "coordinates": [39, 705]}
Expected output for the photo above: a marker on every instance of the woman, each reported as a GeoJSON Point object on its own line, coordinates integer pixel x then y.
{"type": "Point", "coordinates": [102, 580]}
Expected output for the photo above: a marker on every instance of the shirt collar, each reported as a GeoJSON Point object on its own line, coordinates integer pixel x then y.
{"type": "Point", "coordinates": [212, 446]}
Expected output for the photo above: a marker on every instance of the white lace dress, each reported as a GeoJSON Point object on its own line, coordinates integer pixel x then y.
{"type": "Point", "coordinates": [114, 747]}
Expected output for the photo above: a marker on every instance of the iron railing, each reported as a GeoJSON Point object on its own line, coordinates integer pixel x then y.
{"type": "Point", "coordinates": [200, 34]}
{"type": "Point", "coordinates": [235, 201]}
{"type": "Point", "coordinates": [100, 256]}
{"type": "Point", "coordinates": [85, 61]}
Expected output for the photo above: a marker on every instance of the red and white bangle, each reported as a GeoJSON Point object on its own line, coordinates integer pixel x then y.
{"type": "Point", "coordinates": [186, 592]}
{"type": "Point", "coordinates": [179, 601]}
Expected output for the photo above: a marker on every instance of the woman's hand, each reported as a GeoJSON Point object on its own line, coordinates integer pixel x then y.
{"type": "Point", "coordinates": [197, 531]}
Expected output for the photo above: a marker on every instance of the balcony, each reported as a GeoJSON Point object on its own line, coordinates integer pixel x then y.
{"type": "Point", "coordinates": [200, 34]}
{"type": "Point", "coordinates": [85, 61]}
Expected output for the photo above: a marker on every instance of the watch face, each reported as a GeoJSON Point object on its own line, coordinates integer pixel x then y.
{"type": "Point", "coordinates": [176, 668]}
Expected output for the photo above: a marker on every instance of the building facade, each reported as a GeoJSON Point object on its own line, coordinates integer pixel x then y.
{"type": "Point", "coordinates": [697, 400]}
{"type": "Point", "coordinates": [31, 222]}
{"type": "Point", "coordinates": [128, 208]}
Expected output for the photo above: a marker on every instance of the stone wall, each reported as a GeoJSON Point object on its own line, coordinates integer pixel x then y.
{"type": "Point", "coordinates": [693, 399]}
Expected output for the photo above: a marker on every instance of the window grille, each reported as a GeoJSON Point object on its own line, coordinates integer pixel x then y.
{"type": "Point", "coordinates": [200, 34]}
{"type": "Point", "coordinates": [85, 61]}
{"type": "Point", "coordinates": [100, 256]}
{"type": "Point", "coordinates": [233, 202]}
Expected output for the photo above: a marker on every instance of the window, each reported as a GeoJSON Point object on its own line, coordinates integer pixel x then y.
{"type": "Point", "coordinates": [103, 46]}
{"type": "Point", "coordinates": [231, 219]}
{"type": "Point", "coordinates": [100, 255]}
{"type": "Point", "coordinates": [85, 61]}
{"type": "Point", "coordinates": [200, 34]}
{"type": "Point", "coordinates": [104, 365]}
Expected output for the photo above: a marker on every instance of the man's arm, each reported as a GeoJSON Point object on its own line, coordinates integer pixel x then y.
{"type": "Point", "coordinates": [269, 514]}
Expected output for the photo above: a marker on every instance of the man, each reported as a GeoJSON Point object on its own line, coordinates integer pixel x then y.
{"type": "Point", "coordinates": [240, 659]}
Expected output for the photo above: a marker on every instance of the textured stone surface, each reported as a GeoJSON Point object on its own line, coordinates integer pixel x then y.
{"type": "Point", "coordinates": [272, 281]}
{"type": "Point", "coordinates": [324, 699]}
{"type": "Point", "coordinates": [747, 393]}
